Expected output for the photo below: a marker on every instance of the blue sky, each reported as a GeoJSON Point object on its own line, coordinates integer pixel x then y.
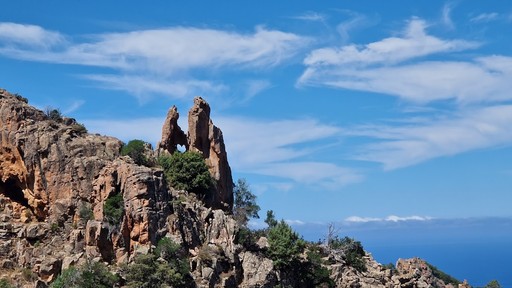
{"type": "Point", "coordinates": [354, 111]}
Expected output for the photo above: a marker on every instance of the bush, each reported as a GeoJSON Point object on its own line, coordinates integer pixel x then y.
{"type": "Point", "coordinates": [90, 275]}
{"type": "Point", "coordinates": [135, 149]}
{"type": "Point", "coordinates": [447, 279]}
{"type": "Point", "coordinates": [79, 128]}
{"type": "Point", "coordinates": [493, 284]}
{"type": "Point", "coordinates": [85, 212]}
{"type": "Point", "coordinates": [245, 206]}
{"type": "Point", "coordinates": [313, 274]}
{"type": "Point", "coordinates": [53, 114]}
{"type": "Point", "coordinates": [353, 250]}
{"type": "Point", "coordinates": [248, 238]}
{"type": "Point", "coordinates": [271, 219]}
{"type": "Point", "coordinates": [4, 283]}
{"type": "Point", "coordinates": [187, 171]}
{"type": "Point", "coordinates": [285, 245]}
{"type": "Point", "coordinates": [147, 272]}
{"type": "Point", "coordinates": [113, 209]}
{"type": "Point", "coordinates": [21, 98]}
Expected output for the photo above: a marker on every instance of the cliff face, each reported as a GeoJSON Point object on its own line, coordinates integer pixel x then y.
{"type": "Point", "coordinates": [55, 180]}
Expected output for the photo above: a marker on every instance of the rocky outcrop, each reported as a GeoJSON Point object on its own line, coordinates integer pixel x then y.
{"type": "Point", "coordinates": [172, 135]}
{"type": "Point", "coordinates": [146, 205]}
{"type": "Point", "coordinates": [207, 139]}
{"type": "Point", "coordinates": [376, 275]}
{"type": "Point", "coordinates": [47, 164]}
{"type": "Point", "coordinates": [415, 272]}
{"type": "Point", "coordinates": [55, 181]}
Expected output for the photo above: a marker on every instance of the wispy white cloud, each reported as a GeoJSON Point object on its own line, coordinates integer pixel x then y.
{"type": "Point", "coordinates": [446, 18]}
{"type": "Point", "coordinates": [160, 50]}
{"type": "Point", "coordinates": [254, 87]}
{"type": "Point", "coordinates": [485, 17]}
{"type": "Point", "coordinates": [311, 16]}
{"type": "Point", "coordinates": [271, 141]}
{"type": "Point", "coordinates": [401, 146]}
{"type": "Point", "coordinates": [413, 44]}
{"type": "Point", "coordinates": [152, 59]}
{"type": "Point", "coordinates": [327, 175]}
{"type": "Point", "coordinates": [147, 129]}
{"type": "Point", "coordinates": [391, 218]}
{"type": "Point", "coordinates": [295, 222]}
{"type": "Point", "coordinates": [12, 34]}
{"type": "Point", "coordinates": [393, 66]}
{"type": "Point", "coordinates": [73, 106]}
{"type": "Point", "coordinates": [144, 87]}
{"type": "Point", "coordinates": [276, 145]}
{"type": "Point", "coordinates": [346, 27]}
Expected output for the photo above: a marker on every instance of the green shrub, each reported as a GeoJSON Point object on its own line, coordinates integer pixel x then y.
{"type": "Point", "coordinates": [271, 219]}
{"type": "Point", "coordinates": [85, 212]}
{"type": "Point", "coordinates": [285, 245]}
{"type": "Point", "coordinates": [245, 206]}
{"type": "Point", "coordinates": [135, 149]}
{"type": "Point", "coordinates": [493, 284]}
{"type": "Point", "coordinates": [4, 283]}
{"type": "Point", "coordinates": [68, 278]}
{"type": "Point", "coordinates": [54, 227]}
{"type": "Point", "coordinates": [53, 114]}
{"type": "Point", "coordinates": [113, 209]}
{"type": "Point", "coordinates": [90, 275]}
{"type": "Point", "coordinates": [187, 171]}
{"type": "Point", "coordinates": [248, 238]}
{"type": "Point", "coordinates": [79, 128]}
{"type": "Point", "coordinates": [354, 251]}
{"type": "Point", "coordinates": [447, 279]}
{"type": "Point", "coordinates": [147, 272]}
{"type": "Point", "coordinates": [21, 98]}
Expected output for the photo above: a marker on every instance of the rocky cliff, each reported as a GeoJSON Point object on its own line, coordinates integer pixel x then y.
{"type": "Point", "coordinates": [55, 179]}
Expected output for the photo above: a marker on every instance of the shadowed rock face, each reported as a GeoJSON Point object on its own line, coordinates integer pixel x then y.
{"type": "Point", "coordinates": [207, 139]}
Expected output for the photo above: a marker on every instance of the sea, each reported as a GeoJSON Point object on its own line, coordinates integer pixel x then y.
{"type": "Point", "coordinates": [476, 249]}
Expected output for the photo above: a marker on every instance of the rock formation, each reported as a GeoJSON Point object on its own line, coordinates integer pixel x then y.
{"type": "Point", "coordinates": [55, 181]}
{"type": "Point", "coordinates": [207, 139]}
{"type": "Point", "coordinates": [172, 135]}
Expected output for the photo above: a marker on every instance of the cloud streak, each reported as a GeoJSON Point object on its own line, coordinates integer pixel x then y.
{"type": "Point", "coordinates": [401, 146]}
{"type": "Point", "coordinates": [391, 218]}
{"type": "Point", "coordinates": [396, 66]}
{"type": "Point", "coordinates": [170, 55]}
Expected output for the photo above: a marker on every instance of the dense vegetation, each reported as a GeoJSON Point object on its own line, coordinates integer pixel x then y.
{"type": "Point", "coordinates": [167, 266]}
{"type": "Point", "coordinates": [353, 250]}
{"type": "Point", "coordinates": [90, 275]}
{"type": "Point", "coordinates": [135, 149]}
{"type": "Point", "coordinates": [187, 171]}
{"type": "Point", "coordinates": [113, 209]}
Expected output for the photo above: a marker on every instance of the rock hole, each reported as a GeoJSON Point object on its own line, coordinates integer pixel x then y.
{"type": "Point", "coordinates": [181, 148]}
{"type": "Point", "coordinates": [12, 190]}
